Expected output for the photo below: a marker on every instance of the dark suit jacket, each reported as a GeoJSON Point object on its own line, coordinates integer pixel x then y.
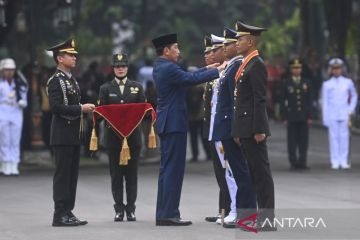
{"type": "Point", "coordinates": [296, 102]}
{"type": "Point", "coordinates": [110, 94]}
{"type": "Point", "coordinates": [64, 99]}
{"type": "Point", "coordinates": [225, 104]}
{"type": "Point", "coordinates": [171, 81]}
{"type": "Point", "coordinates": [250, 116]}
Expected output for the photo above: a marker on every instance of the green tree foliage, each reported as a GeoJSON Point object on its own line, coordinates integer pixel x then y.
{"type": "Point", "coordinates": [280, 39]}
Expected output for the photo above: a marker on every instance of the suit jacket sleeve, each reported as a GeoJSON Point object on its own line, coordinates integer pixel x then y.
{"type": "Point", "coordinates": [258, 76]}
{"type": "Point", "coordinates": [181, 77]}
{"type": "Point", "coordinates": [56, 100]}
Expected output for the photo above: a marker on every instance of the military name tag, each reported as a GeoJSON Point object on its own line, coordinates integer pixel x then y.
{"type": "Point", "coordinates": [112, 95]}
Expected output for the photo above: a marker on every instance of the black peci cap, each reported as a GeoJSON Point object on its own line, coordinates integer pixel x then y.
{"type": "Point", "coordinates": [164, 40]}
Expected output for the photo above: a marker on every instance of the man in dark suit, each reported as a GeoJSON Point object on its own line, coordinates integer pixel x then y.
{"type": "Point", "coordinates": [296, 113]}
{"type": "Point", "coordinates": [224, 197]}
{"type": "Point", "coordinates": [66, 130]}
{"type": "Point", "coordinates": [171, 124]}
{"type": "Point", "coordinates": [241, 192]}
{"type": "Point", "coordinates": [250, 126]}
{"type": "Point", "coordinates": [122, 90]}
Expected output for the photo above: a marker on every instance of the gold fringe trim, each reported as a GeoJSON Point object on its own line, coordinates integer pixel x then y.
{"type": "Point", "coordinates": [93, 141]}
{"type": "Point", "coordinates": [152, 138]}
{"type": "Point", "coordinates": [125, 153]}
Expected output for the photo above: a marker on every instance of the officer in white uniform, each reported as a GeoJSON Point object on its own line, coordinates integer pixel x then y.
{"type": "Point", "coordinates": [216, 43]}
{"type": "Point", "coordinates": [339, 100]}
{"type": "Point", "coordinates": [13, 93]}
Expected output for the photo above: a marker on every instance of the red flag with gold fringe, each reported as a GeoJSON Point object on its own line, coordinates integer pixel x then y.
{"type": "Point", "coordinates": [123, 119]}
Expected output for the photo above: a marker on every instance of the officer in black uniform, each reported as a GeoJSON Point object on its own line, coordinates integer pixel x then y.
{"type": "Point", "coordinates": [119, 91]}
{"type": "Point", "coordinates": [66, 131]}
{"type": "Point", "coordinates": [224, 196]}
{"type": "Point", "coordinates": [250, 125]}
{"type": "Point", "coordinates": [296, 113]}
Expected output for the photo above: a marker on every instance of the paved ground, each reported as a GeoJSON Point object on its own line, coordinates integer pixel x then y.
{"type": "Point", "coordinates": [26, 201]}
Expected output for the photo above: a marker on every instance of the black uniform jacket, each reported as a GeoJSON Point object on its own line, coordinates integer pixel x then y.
{"type": "Point", "coordinates": [64, 99]}
{"type": "Point", "coordinates": [296, 104]}
{"type": "Point", "coordinates": [250, 116]}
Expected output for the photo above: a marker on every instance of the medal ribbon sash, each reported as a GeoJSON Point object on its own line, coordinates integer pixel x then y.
{"type": "Point", "coordinates": [244, 63]}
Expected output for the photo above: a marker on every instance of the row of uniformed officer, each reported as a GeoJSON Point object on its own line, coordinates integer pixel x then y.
{"type": "Point", "coordinates": [237, 172]}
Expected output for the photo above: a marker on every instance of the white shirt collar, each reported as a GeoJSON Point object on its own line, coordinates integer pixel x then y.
{"type": "Point", "coordinates": [118, 80]}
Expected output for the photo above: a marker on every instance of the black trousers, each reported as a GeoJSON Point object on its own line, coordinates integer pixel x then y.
{"type": "Point", "coordinates": [65, 178]}
{"type": "Point", "coordinates": [298, 141]}
{"type": "Point", "coordinates": [257, 158]}
{"type": "Point", "coordinates": [195, 129]}
{"type": "Point", "coordinates": [224, 196]}
{"type": "Point", "coordinates": [124, 174]}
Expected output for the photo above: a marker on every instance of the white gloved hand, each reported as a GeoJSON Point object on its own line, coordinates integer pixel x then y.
{"type": "Point", "coordinates": [22, 103]}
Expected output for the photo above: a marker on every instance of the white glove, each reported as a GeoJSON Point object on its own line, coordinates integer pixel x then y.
{"type": "Point", "coordinates": [22, 103]}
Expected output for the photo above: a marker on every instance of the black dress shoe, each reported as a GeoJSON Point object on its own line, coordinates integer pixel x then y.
{"type": "Point", "coordinates": [130, 216]}
{"type": "Point", "coordinates": [211, 219]}
{"type": "Point", "coordinates": [64, 221]}
{"type": "Point", "coordinates": [75, 219]}
{"type": "Point", "coordinates": [172, 222]}
{"type": "Point", "coordinates": [119, 216]}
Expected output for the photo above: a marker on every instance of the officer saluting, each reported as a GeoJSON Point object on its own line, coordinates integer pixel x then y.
{"type": "Point", "coordinates": [66, 131]}
{"type": "Point", "coordinates": [296, 113]}
{"type": "Point", "coordinates": [119, 91]}
{"type": "Point", "coordinates": [237, 172]}
{"type": "Point", "coordinates": [250, 125]}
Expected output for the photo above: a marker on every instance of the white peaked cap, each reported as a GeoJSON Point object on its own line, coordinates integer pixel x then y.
{"type": "Point", "coordinates": [7, 63]}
